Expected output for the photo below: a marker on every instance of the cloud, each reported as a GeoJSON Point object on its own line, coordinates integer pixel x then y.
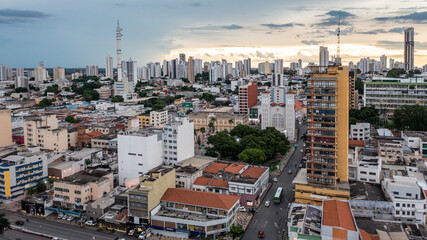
{"type": "Point", "coordinates": [232, 27]}
{"type": "Point", "coordinates": [396, 30]}
{"type": "Point", "coordinates": [279, 26]}
{"type": "Point", "coordinates": [372, 32]}
{"type": "Point", "coordinates": [12, 16]}
{"type": "Point", "coordinates": [311, 42]}
{"type": "Point", "coordinates": [269, 32]}
{"type": "Point", "coordinates": [215, 27]}
{"type": "Point", "coordinates": [332, 19]}
{"type": "Point", "coordinates": [416, 17]}
{"type": "Point", "coordinates": [266, 55]}
{"type": "Point", "coordinates": [340, 14]}
{"type": "Point", "coordinates": [195, 4]}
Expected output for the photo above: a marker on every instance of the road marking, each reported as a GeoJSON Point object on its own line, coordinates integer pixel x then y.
{"type": "Point", "coordinates": [276, 225]}
{"type": "Point", "coordinates": [265, 224]}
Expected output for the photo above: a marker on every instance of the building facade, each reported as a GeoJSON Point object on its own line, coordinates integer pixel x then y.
{"type": "Point", "coordinates": [178, 141]}
{"type": "Point", "coordinates": [6, 129]}
{"type": "Point", "coordinates": [45, 133]}
{"type": "Point", "coordinates": [248, 97]}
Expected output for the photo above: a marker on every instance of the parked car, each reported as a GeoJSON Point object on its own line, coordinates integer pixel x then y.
{"type": "Point", "coordinates": [65, 217]}
{"type": "Point", "coordinates": [274, 179]}
{"type": "Point", "coordinates": [91, 223]}
{"type": "Point", "coordinates": [242, 209]}
{"type": "Point", "coordinates": [19, 222]}
{"type": "Point", "coordinates": [131, 232]}
{"type": "Point", "coordinates": [142, 235]}
{"type": "Point", "coordinates": [267, 203]}
{"type": "Point", "coordinates": [260, 234]}
{"type": "Point", "coordinates": [302, 150]}
{"type": "Point", "coordinates": [70, 218]}
{"type": "Point", "coordinates": [60, 215]}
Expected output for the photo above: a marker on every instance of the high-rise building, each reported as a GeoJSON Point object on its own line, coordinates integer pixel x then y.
{"type": "Point", "coordinates": [239, 66]}
{"type": "Point", "coordinates": [278, 73]}
{"type": "Point", "coordinates": [119, 52]}
{"type": "Point", "coordinates": [129, 68]}
{"type": "Point", "coordinates": [323, 56]}
{"type": "Point", "coordinates": [19, 72]}
{"type": "Point", "coordinates": [293, 66]}
{"type": "Point", "coordinates": [158, 70]}
{"type": "Point", "coordinates": [326, 175]}
{"type": "Point", "coordinates": [352, 100]}
{"type": "Point", "coordinates": [174, 68]}
{"type": "Point", "coordinates": [391, 63]}
{"type": "Point", "coordinates": [22, 82]}
{"type": "Point", "coordinates": [6, 128]}
{"type": "Point", "coordinates": [3, 73]}
{"type": "Point", "coordinates": [248, 97]}
{"type": "Point", "coordinates": [261, 68]}
{"type": "Point", "coordinates": [166, 68]}
{"type": "Point", "coordinates": [383, 61]}
{"type": "Point", "coordinates": [247, 66]}
{"type": "Point", "coordinates": [40, 74]}
{"type": "Point", "coordinates": [109, 67]}
{"type": "Point", "coordinates": [191, 69]}
{"type": "Point", "coordinates": [58, 73]}
{"type": "Point", "coordinates": [182, 57]}
{"type": "Point", "coordinates": [409, 49]}
{"type": "Point", "coordinates": [178, 141]}
{"type": "Point", "coordinates": [267, 68]}
{"type": "Point", "coordinates": [91, 70]}
{"type": "Point", "coordinates": [300, 63]}
{"type": "Point", "coordinates": [198, 66]}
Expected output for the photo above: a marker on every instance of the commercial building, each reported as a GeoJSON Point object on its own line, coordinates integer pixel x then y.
{"type": "Point", "coordinates": [178, 141]}
{"type": "Point", "coordinates": [158, 118]}
{"type": "Point", "coordinates": [6, 129]}
{"type": "Point", "coordinates": [409, 48]}
{"type": "Point", "coordinates": [19, 170]}
{"type": "Point", "coordinates": [186, 213]}
{"type": "Point", "coordinates": [360, 131]}
{"type": "Point", "coordinates": [390, 93]}
{"type": "Point", "coordinates": [44, 132]}
{"type": "Point", "coordinates": [138, 152]}
{"type": "Point", "coordinates": [58, 73]}
{"type": "Point", "coordinates": [326, 175]}
{"type": "Point", "coordinates": [189, 170]}
{"type": "Point", "coordinates": [248, 97]}
{"type": "Point", "coordinates": [104, 92]}
{"type": "Point", "coordinates": [146, 195]}
{"type": "Point", "coordinates": [78, 189]}
{"type": "Point", "coordinates": [105, 142]}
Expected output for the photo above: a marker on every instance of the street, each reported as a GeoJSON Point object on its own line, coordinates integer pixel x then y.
{"type": "Point", "coordinates": [13, 235]}
{"type": "Point", "coordinates": [56, 229]}
{"type": "Point", "coordinates": [266, 218]}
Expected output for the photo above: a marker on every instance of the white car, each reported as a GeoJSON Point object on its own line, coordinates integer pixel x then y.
{"type": "Point", "coordinates": [65, 217]}
{"type": "Point", "coordinates": [91, 223]}
{"type": "Point", "coordinates": [70, 218]}
{"type": "Point", "coordinates": [142, 235]}
{"type": "Point", "coordinates": [274, 179]}
{"type": "Point", "coordinates": [60, 215]}
{"type": "Point", "coordinates": [242, 209]}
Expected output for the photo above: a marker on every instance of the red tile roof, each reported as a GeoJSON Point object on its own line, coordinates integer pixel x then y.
{"type": "Point", "coordinates": [338, 214]}
{"type": "Point", "coordinates": [366, 235]}
{"type": "Point", "coordinates": [254, 172]}
{"type": "Point", "coordinates": [265, 92]}
{"type": "Point", "coordinates": [218, 183]}
{"type": "Point", "coordinates": [215, 167]}
{"type": "Point", "coordinates": [356, 143]}
{"type": "Point", "coordinates": [234, 168]}
{"type": "Point", "coordinates": [298, 105]}
{"type": "Point", "coordinates": [197, 198]}
{"type": "Point", "coordinates": [202, 181]}
{"type": "Point", "coordinates": [95, 134]}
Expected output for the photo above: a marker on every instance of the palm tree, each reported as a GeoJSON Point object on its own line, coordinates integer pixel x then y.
{"type": "Point", "coordinates": [211, 124]}
{"type": "Point", "coordinates": [230, 121]}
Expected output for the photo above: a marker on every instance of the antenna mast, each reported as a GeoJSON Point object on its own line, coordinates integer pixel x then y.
{"type": "Point", "coordinates": [338, 40]}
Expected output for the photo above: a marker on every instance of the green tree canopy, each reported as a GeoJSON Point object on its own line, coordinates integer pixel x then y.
{"type": "Point", "coordinates": [21, 89]}
{"type": "Point", "coordinates": [117, 99]}
{"type": "Point", "coordinates": [71, 119]}
{"type": "Point", "coordinates": [41, 186]}
{"type": "Point", "coordinates": [396, 72]}
{"type": "Point", "coordinates": [4, 223]}
{"type": "Point", "coordinates": [410, 117]}
{"type": "Point", "coordinates": [359, 85]}
{"type": "Point", "coordinates": [253, 156]}
{"type": "Point", "coordinates": [235, 231]}
{"type": "Point", "coordinates": [45, 102]}
{"type": "Point", "coordinates": [365, 114]}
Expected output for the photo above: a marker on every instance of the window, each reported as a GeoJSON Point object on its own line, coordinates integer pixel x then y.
{"type": "Point", "coordinates": [413, 205]}
{"type": "Point", "coordinates": [396, 193]}
{"type": "Point", "coordinates": [397, 204]}
{"type": "Point", "coordinates": [372, 173]}
{"type": "Point", "coordinates": [77, 192]}
{"type": "Point", "coordinates": [409, 194]}
{"type": "Point", "coordinates": [363, 172]}
{"type": "Point", "coordinates": [397, 212]}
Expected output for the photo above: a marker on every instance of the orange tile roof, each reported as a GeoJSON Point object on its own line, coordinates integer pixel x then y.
{"type": "Point", "coordinates": [218, 183]}
{"type": "Point", "coordinates": [366, 235]}
{"type": "Point", "coordinates": [234, 168]}
{"type": "Point", "coordinates": [197, 198]}
{"type": "Point", "coordinates": [254, 172]}
{"type": "Point", "coordinates": [338, 214]}
{"type": "Point", "coordinates": [298, 105]}
{"type": "Point", "coordinates": [356, 143]}
{"type": "Point", "coordinates": [215, 167]}
{"type": "Point", "coordinates": [95, 134]}
{"type": "Point", "coordinates": [202, 181]}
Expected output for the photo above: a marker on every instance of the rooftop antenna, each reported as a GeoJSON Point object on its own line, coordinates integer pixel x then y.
{"type": "Point", "coordinates": [338, 40]}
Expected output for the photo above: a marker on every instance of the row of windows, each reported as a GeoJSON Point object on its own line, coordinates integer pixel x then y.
{"type": "Point", "coordinates": [408, 213]}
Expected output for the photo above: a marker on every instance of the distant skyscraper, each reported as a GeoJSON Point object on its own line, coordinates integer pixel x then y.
{"type": "Point", "coordinates": [293, 66]}
{"type": "Point", "coordinates": [409, 49]}
{"type": "Point", "coordinates": [198, 66]}
{"type": "Point", "coordinates": [300, 63]}
{"type": "Point", "coordinates": [40, 74]}
{"type": "Point", "coordinates": [174, 68]}
{"type": "Point", "coordinates": [391, 63]}
{"type": "Point", "coordinates": [109, 67]}
{"type": "Point", "coordinates": [278, 73]}
{"type": "Point", "coordinates": [191, 69]}
{"type": "Point", "coordinates": [58, 73]}
{"type": "Point", "coordinates": [267, 68]}
{"type": "Point", "coordinates": [182, 57]}
{"type": "Point", "coordinates": [129, 67]}
{"type": "Point", "coordinates": [166, 68]}
{"type": "Point", "coordinates": [383, 60]}
{"type": "Point", "coordinates": [119, 52]}
{"type": "Point", "coordinates": [92, 70]}
{"type": "Point", "coordinates": [3, 73]}
{"type": "Point", "coordinates": [247, 66]}
{"type": "Point", "coordinates": [261, 68]}
{"type": "Point", "coordinates": [323, 56]}
{"type": "Point", "coordinates": [158, 70]}
{"type": "Point", "coordinates": [19, 71]}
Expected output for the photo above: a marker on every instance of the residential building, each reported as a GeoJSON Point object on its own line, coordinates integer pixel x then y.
{"type": "Point", "coordinates": [247, 65]}
{"type": "Point", "coordinates": [326, 175]}
{"type": "Point", "coordinates": [178, 141]}
{"type": "Point", "coordinates": [267, 68]}
{"type": "Point", "coordinates": [186, 212]}
{"type": "Point", "coordinates": [91, 70]}
{"type": "Point", "coordinates": [146, 195]}
{"type": "Point", "coordinates": [352, 96]}
{"type": "Point", "coordinates": [323, 56]}
{"type": "Point", "coordinates": [144, 120]}
{"type": "Point", "coordinates": [223, 120]}
{"type": "Point", "coordinates": [22, 82]}
{"type": "Point", "coordinates": [105, 142]}
{"type": "Point", "coordinates": [44, 132]}
{"type": "Point", "coordinates": [109, 67]}
{"type": "Point", "coordinates": [390, 150]}
{"type": "Point", "coordinates": [409, 48]}
{"type": "Point", "coordinates": [6, 129]}
{"type": "Point", "coordinates": [388, 94]}
{"type": "Point", "coordinates": [129, 70]}
{"type": "Point", "coordinates": [78, 189]}
{"type": "Point", "coordinates": [158, 118]}
{"type": "Point", "coordinates": [417, 141]}
{"type": "Point", "coordinates": [182, 57]}
{"type": "Point", "coordinates": [248, 97]}
{"type": "Point", "coordinates": [40, 74]}
{"type": "Point", "coordinates": [104, 93]}
{"type": "Point", "coordinates": [360, 131]}
{"type": "Point", "coordinates": [189, 170]}
{"type": "Point", "coordinates": [383, 60]}
{"type": "Point", "coordinates": [63, 169]}
{"type": "Point", "coordinates": [191, 69]}
{"type": "Point", "coordinates": [278, 80]}
{"type": "Point", "coordinates": [369, 169]}
{"type": "Point", "coordinates": [138, 152]}
{"type": "Point", "coordinates": [20, 170]}
{"type": "Point", "coordinates": [58, 73]}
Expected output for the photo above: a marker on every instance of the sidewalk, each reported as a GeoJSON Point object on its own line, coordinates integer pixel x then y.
{"type": "Point", "coordinates": [284, 160]}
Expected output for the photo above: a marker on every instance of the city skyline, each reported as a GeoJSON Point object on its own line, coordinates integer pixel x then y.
{"type": "Point", "coordinates": [277, 30]}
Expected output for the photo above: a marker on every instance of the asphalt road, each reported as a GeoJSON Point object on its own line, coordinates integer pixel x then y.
{"type": "Point", "coordinates": [266, 218]}
{"type": "Point", "coordinates": [58, 229]}
{"type": "Point", "coordinates": [13, 235]}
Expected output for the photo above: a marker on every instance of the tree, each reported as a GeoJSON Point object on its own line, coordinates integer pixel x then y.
{"type": "Point", "coordinates": [21, 89]}
{"type": "Point", "coordinates": [53, 88]}
{"type": "Point", "coordinates": [50, 181]}
{"type": "Point", "coordinates": [117, 99]}
{"type": "Point", "coordinates": [211, 124]}
{"type": "Point", "coordinates": [4, 223]}
{"type": "Point", "coordinates": [88, 161]}
{"type": "Point", "coordinates": [45, 102]}
{"type": "Point", "coordinates": [410, 117]}
{"type": "Point", "coordinates": [208, 97]}
{"type": "Point", "coordinates": [235, 231]}
{"type": "Point", "coordinates": [359, 85]}
{"type": "Point", "coordinates": [224, 145]}
{"type": "Point", "coordinates": [31, 191]}
{"type": "Point", "coordinates": [199, 140]}
{"type": "Point", "coordinates": [227, 81]}
{"type": "Point", "coordinates": [365, 114]}
{"type": "Point", "coordinates": [185, 80]}
{"type": "Point", "coordinates": [41, 186]}
{"type": "Point", "coordinates": [203, 129]}
{"type": "Point", "coordinates": [396, 72]}
{"type": "Point", "coordinates": [253, 156]}
{"type": "Point", "coordinates": [71, 119]}
{"type": "Point", "coordinates": [230, 121]}
{"type": "Point", "coordinates": [242, 130]}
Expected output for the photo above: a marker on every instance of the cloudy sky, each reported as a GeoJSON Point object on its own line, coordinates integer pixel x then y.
{"type": "Point", "coordinates": [75, 33]}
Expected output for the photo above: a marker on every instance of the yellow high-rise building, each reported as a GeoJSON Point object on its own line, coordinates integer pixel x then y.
{"type": "Point", "coordinates": [352, 96]}
{"type": "Point", "coordinates": [326, 175]}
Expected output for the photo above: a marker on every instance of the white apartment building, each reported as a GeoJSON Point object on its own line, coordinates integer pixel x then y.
{"type": "Point", "coordinates": [417, 141]}
{"type": "Point", "coordinates": [178, 141]}
{"type": "Point", "coordinates": [408, 198]}
{"type": "Point", "coordinates": [369, 169]}
{"type": "Point", "coordinates": [390, 150]}
{"type": "Point", "coordinates": [158, 118]}
{"type": "Point", "coordinates": [360, 131]}
{"type": "Point", "coordinates": [45, 133]}
{"type": "Point", "coordinates": [138, 152]}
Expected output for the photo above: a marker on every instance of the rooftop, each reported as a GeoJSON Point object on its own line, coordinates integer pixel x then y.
{"type": "Point", "coordinates": [419, 134]}
{"type": "Point", "coordinates": [215, 167]}
{"type": "Point", "coordinates": [84, 177]}
{"type": "Point", "coordinates": [254, 172]}
{"type": "Point", "coordinates": [196, 162]}
{"type": "Point", "coordinates": [366, 191]}
{"type": "Point", "coordinates": [197, 198]}
{"type": "Point", "coordinates": [186, 215]}
{"type": "Point", "coordinates": [337, 213]}
{"type": "Point", "coordinates": [106, 137]}
{"type": "Point", "coordinates": [301, 178]}
{"type": "Point", "coordinates": [235, 168]}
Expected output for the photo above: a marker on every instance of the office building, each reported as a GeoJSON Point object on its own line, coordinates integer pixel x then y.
{"type": "Point", "coordinates": [109, 67]}
{"type": "Point", "coordinates": [323, 56]}
{"type": "Point", "coordinates": [326, 175]}
{"type": "Point", "coordinates": [45, 133]}
{"type": "Point", "coordinates": [6, 129]}
{"type": "Point", "coordinates": [91, 70]}
{"type": "Point", "coordinates": [390, 93]}
{"type": "Point", "coordinates": [182, 57]}
{"type": "Point", "coordinates": [409, 48]}
{"type": "Point", "coordinates": [184, 213]}
{"type": "Point", "coordinates": [174, 68]}
{"type": "Point", "coordinates": [178, 141]}
{"type": "Point", "coordinates": [146, 195]}
{"type": "Point", "coordinates": [248, 97]}
{"type": "Point", "coordinates": [247, 66]}
{"type": "Point", "coordinates": [278, 80]}
{"type": "Point", "coordinates": [58, 73]}
{"type": "Point", "coordinates": [191, 69]}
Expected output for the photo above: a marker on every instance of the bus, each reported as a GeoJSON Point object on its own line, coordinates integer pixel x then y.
{"type": "Point", "coordinates": [278, 195]}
